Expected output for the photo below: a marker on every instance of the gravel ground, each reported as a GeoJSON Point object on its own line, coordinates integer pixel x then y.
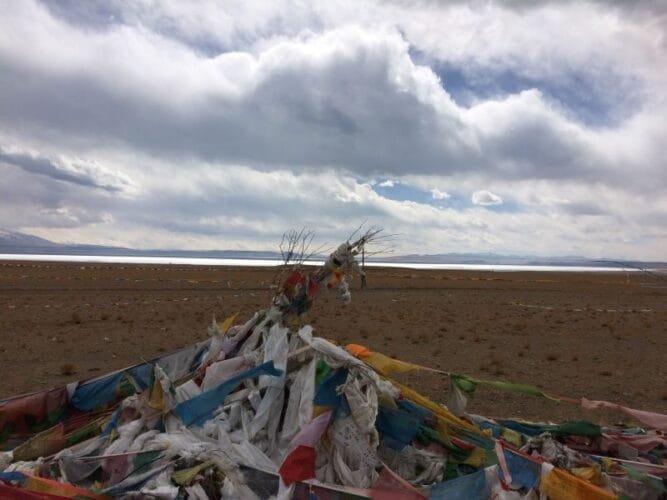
{"type": "Point", "coordinates": [594, 335]}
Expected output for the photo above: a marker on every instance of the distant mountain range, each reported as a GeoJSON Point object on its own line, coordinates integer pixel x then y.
{"type": "Point", "coordinates": [20, 243]}
{"type": "Point", "coordinates": [12, 242]}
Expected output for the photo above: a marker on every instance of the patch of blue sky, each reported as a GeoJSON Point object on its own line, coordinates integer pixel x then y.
{"type": "Point", "coordinates": [103, 15]}
{"type": "Point", "coordinates": [580, 96]}
{"type": "Point", "coordinates": [401, 191]}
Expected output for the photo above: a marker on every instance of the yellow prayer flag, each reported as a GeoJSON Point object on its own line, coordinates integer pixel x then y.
{"type": "Point", "coordinates": [223, 326]}
{"type": "Point", "coordinates": [560, 485]}
{"type": "Point", "coordinates": [440, 411]}
{"type": "Point", "coordinates": [592, 474]}
{"type": "Point", "coordinates": [383, 364]}
{"type": "Point", "coordinates": [156, 399]}
{"type": "Point", "coordinates": [477, 458]}
{"type": "Point", "coordinates": [185, 477]}
{"type": "Point", "coordinates": [386, 366]}
{"type": "Point", "coordinates": [512, 436]}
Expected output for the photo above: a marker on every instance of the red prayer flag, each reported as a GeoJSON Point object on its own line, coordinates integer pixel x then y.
{"type": "Point", "coordinates": [298, 465]}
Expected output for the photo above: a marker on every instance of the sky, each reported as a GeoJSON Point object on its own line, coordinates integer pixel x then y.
{"type": "Point", "coordinates": [515, 127]}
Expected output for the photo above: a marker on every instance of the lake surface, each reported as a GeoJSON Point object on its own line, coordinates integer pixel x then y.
{"type": "Point", "coordinates": [101, 259]}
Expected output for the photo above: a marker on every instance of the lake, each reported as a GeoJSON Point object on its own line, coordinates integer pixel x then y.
{"type": "Point", "coordinates": [114, 259]}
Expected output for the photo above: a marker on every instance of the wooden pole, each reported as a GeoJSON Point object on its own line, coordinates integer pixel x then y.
{"type": "Point", "coordinates": [364, 285]}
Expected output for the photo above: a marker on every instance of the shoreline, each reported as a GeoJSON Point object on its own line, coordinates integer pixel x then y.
{"type": "Point", "coordinates": [228, 262]}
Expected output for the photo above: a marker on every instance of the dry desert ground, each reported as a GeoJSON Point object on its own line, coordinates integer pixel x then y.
{"type": "Point", "coordinates": [594, 335]}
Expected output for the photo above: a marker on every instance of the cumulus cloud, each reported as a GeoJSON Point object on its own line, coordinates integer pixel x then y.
{"type": "Point", "coordinates": [436, 194]}
{"type": "Point", "coordinates": [485, 198]}
{"type": "Point", "coordinates": [348, 97]}
{"type": "Point", "coordinates": [238, 119]}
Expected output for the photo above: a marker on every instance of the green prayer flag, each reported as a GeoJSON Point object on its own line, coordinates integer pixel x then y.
{"type": "Point", "coordinates": [468, 385]}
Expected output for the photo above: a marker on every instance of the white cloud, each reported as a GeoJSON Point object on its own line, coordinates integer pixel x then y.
{"type": "Point", "coordinates": [205, 207]}
{"type": "Point", "coordinates": [485, 198]}
{"type": "Point", "coordinates": [348, 97]}
{"type": "Point", "coordinates": [72, 170]}
{"type": "Point", "coordinates": [166, 124]}
{"type": "Point", "coordinates": [436, 194]}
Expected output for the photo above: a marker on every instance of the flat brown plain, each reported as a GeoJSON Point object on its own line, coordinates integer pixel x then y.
{"type": "Point", "coordinates": [595, 335]}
